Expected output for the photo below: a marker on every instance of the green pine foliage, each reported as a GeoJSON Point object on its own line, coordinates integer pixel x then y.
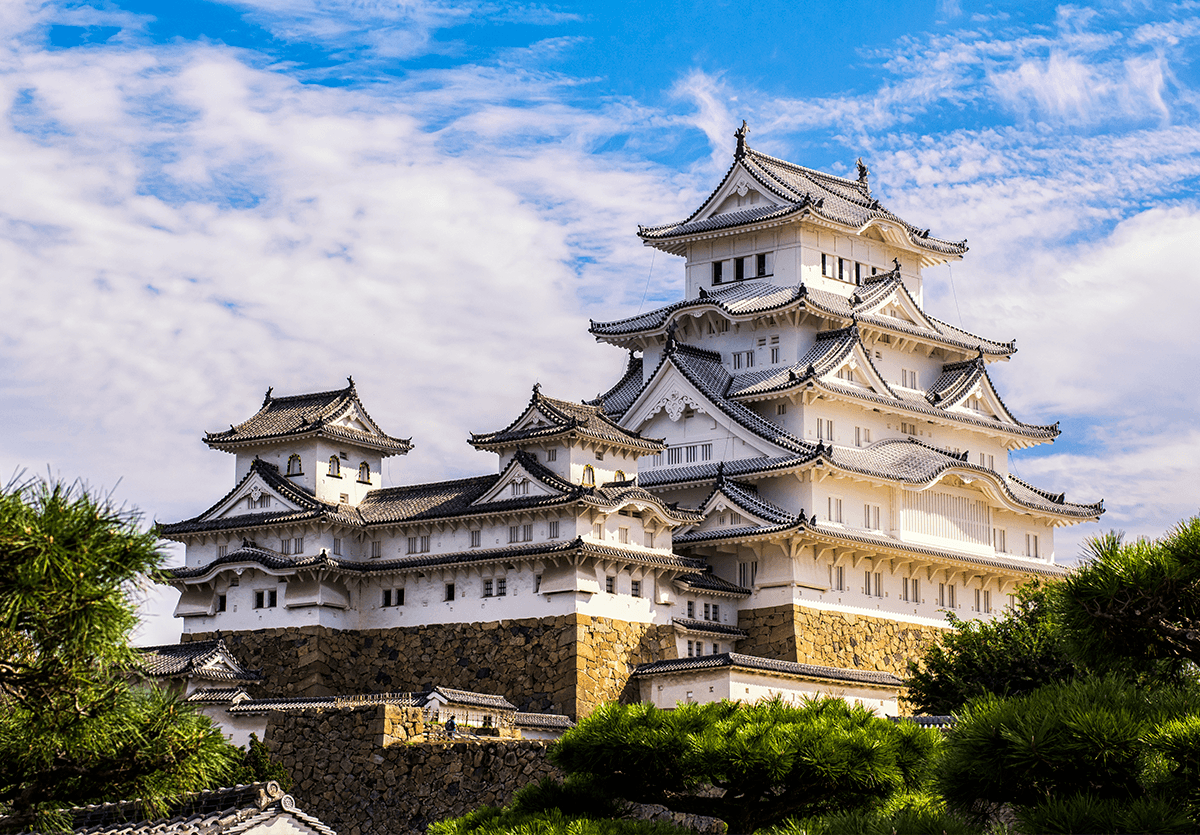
{"type": "Point", "coordinates": [909, 813]}
{"type": "Point", "coordinates": [73, 729]}
{"type": "Point", "coordinates": [751, 766]}
{"type": "Point", "coordinates": [257, 766]}
{"type": "Point", "coordinates": [1137, 605]}
{"type": "Point", "coordinates": [492, 821]}
{"type": "Point", "coordinates": [1071, 755]}
{"type": "Point", "coordinates": [1012, 654]}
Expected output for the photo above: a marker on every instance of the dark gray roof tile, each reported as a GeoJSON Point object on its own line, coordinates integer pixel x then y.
{"type": "Point", "coordinates": [753, 662]}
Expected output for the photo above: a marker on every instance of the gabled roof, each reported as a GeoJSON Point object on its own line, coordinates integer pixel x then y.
{"type": "Point", "coordinates": [696, 474]}
{"type": "Point", "coordinates": [283, 564]}
{"type": "Point", "coordinates": [337, 415]}
{"type": "Point", "coordinates": [745, 498]}
{"type": "Point", "coordinates": [767, 665]}
{"type": "Point", "coordinates": [705, 371]}
{"type": "Point", "coordinates": [543, 721]}
{"type": "Point", "coordinates": [747, 300]}
{"type": "Point", "coordinates": [467, 697]}
{"type": "Point", "coordinates": [254, 808]}
{"type": "Point", "coordinates": [798, 191]}
{"type": "Point", "coordinates": [620, 397]}
{"type": "Point", "coordinates": [710, 583]}
{"type": "Point", "coordinates": [209, 660]}
{"type": "Point", "coordinates": [309, 507]}
{"type": "Point", "coordinates": [707, 627]}
{"type": "Point", "coordinates": [546, 418]}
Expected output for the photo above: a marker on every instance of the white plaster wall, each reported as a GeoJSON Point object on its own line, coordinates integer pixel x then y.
{"type": "Point", "coordinates": [704, 686]}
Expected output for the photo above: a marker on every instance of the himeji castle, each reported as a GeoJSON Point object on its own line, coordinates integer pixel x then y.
{"type": "Point", "coordinates": [798, 476]}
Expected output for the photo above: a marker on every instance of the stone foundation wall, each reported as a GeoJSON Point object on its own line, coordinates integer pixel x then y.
{"type": "Point", "coordinates": [566, 664]}
{"type": "Point", "coordinates": [834, 639]}
{"type": "Point", "coordinates": [345, 777]}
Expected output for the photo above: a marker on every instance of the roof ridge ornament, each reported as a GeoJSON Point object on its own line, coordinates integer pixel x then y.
{"type": "Point", "coordinates": [740, 134]}
{"type": "Point", "coordinates": [350, 380]}
{"type": "Point", "coordinates": [864, 175]}
{"type": "Point", "coordinates": [266, 399]}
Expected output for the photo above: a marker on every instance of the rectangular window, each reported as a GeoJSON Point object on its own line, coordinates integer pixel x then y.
{"type": "Point", "coordinates": [878, 584]}
{"type": "Point", "coordinates": [834, 509]}
{"type": "Point", "coordinates": [527, 533]}
{"type": "Point", "coordinates": [487, 588]}
{"type": "Point", "coordinates": [514, 533]}
{"type": "Point", "coordinates": [716, 613]}
{"type": "Point", "coordinates": [266, 599]}
{"type": "Point", "coordinates": [1031, 545]}
{"type": "Point", "coordinates": [221, 602]}
{"type": "Point", "coordinates": [871, 517]}
{"type": "Point", "coordinates": [412, 545]}
{"type": "Point", "coordinates": [597, 531]}
{"type": "Point", "coordinates": [708, 611]}
{"type": "Point", "coordinates": [1000, 540]}
{"type": "Point", "coordinates": [909, 379]}
{"type": "Point", "coordinates": [610, 584]}
{"type": "Point", "coordinates": [908, 428]}
{"type": "Point", "coordinates": [675, 455]}
{"type": "Point", "coordinates": [376, 548]}
{"type": "Point", "coordinates": [988, 461]}
{"type": "Point", "coordinates": [904, 589]}
{"type": "Point", "coordinates": [747, 574]}
{"type": "Point", "coordinates": [635, 588]}
{"type": "Point", "coordinates": [862, 436]}
{"type": "Point", "coordinates": [337, 546]}
{"type": "Point", "coordinates": [867, 584]}
{"type": "Point", "coordinates": [691, 649]}
{"type": "Point", "coordinates": [623, 536]}
{"type": "Point", "coordinates": [298, 545]}
{"type": "Point", "coordinates": [717, 270]}
{"type": "Point", "coordinates": [739, 269]}
{"type": "Point", "coordinates": [780, 409]}
{"type": "Point", "coordinates": [537, 583]}
{"type": "Point", "coordinates": [987, 602]}
{"type": "Point", "coordinates": [837, 578]}
{"type": "Point", "coordinates": [826, 265]}
{"type": "Point", "coordinates": [449, 592]}
{"type": "Point", "coordinates": [916, 590]}
{"type": "Point", "coordinates": [425, 545]}
{"type": "Point", "coordinates": [858, 273]}
{"type": "Point", "coordinates": [978, 600]}
{"type": "Point", "coordinates": [656, 460]}
{"type": "Point", "coordinates": [690, 454]}
{"type": "Point", "coordinates": [501, 587]}
{"type": "Point", "coordinates": [387, 598]}
{"type": "Point", "coordinates": [705, 452]}
{"type": "Point", "coordinates": [843, 272]}
{"type": "Point", "coordinates": [691, 609]}
{"type": "Point", "coordinates": [760, 264]}
{"type": "Point", "coordinates": [285, 546]}
{"type": "Point", "coordinates": [775, 354]}
{"type": "Point", "coordinates": [951, 597]}
{"type": "Point", "coordinates": [552, 530]}
{"type": "Point", "coordinates": [222, 550]}
{"type": "Point", "coordinates": [476, 538]}
{"type": "Point", "coordinates": [552, 454]}
{"type": "Point", "coordinates": [825, 430]}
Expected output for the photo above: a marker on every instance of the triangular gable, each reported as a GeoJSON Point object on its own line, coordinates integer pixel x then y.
{"type": "Point", "coordinates": [726, 509]}
{"type": "Point", "coordinates": [741, 189]}
{"type": "Point", "coordinates": [982, 401]}
{"type": "Point", "coordinates": [898, 304]}
{"type": "Point", "coordinates": [248, 497]}
{"type": "Point", "coordinates": [856, 367]}
{"type": "Point", "coordinates": [528, 481]}
{"type": "Point", "coordinates": [670, 394]}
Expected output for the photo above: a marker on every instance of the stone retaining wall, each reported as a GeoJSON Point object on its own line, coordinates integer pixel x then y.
{"type": "Point", "coordinates": [566, 664]}
{"type": "Point", "coordinates": [834, 639]}
{"type": "Point", "coordinates": [345, 777]}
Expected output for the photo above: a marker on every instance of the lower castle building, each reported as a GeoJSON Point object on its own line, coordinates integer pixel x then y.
{"type": "Point", "coordinates": [798, 475]}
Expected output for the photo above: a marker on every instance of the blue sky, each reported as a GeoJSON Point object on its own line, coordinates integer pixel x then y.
{"type": "Point", "coordinates": [203, 199]}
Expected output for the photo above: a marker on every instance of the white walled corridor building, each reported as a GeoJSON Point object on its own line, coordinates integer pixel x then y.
{"type": "Point", "coordinates": [800, 472]}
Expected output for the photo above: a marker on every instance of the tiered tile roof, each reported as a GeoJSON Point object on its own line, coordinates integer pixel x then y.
{"type": "Point", "coordinates": [563, 420]}
{"type": "Point", "coordinates": [708, 627]}
{"type": "Point", "coordinates": [769, 665]}
{"type": "Point", "coordinates": [194, 659]}
{"type": "Point", "coordinates": [309, 415]}
{"type": "Point", "coordinates": [801, 191]}
{"type": "Point", "coordinates": [754, 298]}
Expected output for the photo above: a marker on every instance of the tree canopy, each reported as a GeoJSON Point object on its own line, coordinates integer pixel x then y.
{"type": "Point", "coordinates": [750, 765]}
{"type": "Point", "coordinates": [74, 730]}
{"type": "Point", "coordinates": [1015, 653]}
{"type": "Point", "coordinates": [1136, 602]}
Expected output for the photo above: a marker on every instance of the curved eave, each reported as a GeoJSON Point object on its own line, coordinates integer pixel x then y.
{"type": "Point", "coordinates": [577, 548]}
{"type": "Point", "coordinates": [1071, 514]}
{"type": "Point", "coordinates": [515, 441]}
{"type": "Point", "coordinates": [658, 333]}
{"type": "Point", "coordinates": [388, 447]}
{"type": "Point", "coordinates": [1022, 431]}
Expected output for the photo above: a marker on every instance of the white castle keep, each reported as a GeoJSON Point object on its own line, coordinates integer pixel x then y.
{"type": "Point", "coordinates": [799, 474]}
